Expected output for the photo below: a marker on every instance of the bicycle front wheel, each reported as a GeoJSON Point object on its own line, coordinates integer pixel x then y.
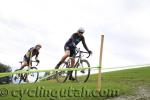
{"type": "Point", "coordinates": [61, 76]}
{"type": "Point", "coordinates": [33, 77]}
{"type": "Point", "coordinates": [83, 74]}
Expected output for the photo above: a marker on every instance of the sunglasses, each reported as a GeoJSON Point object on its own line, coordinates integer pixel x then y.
{"type": "Point", "coordinates": [81, 32]}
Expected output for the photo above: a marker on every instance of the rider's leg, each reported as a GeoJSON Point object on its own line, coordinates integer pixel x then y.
{"type": "Point", "coordinates": [72, 65]}
{"type": "Point", "coordinates": [67, 54]}
{"type": "Point", "coordinates": [26, 75]}
{"type": "Point", "coordinates": [72, 62]}
{"type": "Point", "coordinates": [25, 63]}
{"type": "Point", "coordinates": [72, 55]}
{"type": "Point", "coordinates": [29, 64]}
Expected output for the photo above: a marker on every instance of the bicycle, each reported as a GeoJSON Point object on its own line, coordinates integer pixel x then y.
{"type": "Point", "coordinates": [62, 76]}
{"type": "Point", "coordinates": [26, 77]}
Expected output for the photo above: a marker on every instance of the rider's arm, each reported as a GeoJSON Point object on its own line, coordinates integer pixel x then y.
{"type": "Point", "coordinates": [36, 56]}
{"type": "Point", "coordinates": [84, 44]}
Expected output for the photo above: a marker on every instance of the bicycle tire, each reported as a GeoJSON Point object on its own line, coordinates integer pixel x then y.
{"type": "Point", "coordinates": [17, 76]}
{"type": "Point", "coordinates": [58, 73]}
{"type": "Point", "coordinates": [88, 73]}
{"type": "Point", "coordinates": [37, 77]}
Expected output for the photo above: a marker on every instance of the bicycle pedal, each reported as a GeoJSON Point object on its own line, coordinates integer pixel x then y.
{"type": "Point", "coordinates": [72, 79]}
{"type": "Point", "coordinates": [82, 71]}
{"type": "Point", "coordinates": [32, 75]}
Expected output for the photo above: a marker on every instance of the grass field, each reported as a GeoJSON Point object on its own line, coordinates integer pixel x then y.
{"type": "Point", "coordinates": [127, 82]}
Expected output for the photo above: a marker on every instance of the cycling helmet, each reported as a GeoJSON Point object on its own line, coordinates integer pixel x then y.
{"type": "Point", "coordinates": [38, 45]}
{"type": "Point", "coordinates": [81, 30]}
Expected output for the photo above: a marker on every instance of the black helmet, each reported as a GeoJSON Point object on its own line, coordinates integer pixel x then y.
{"type": "Point", "coordinates": [38, 45]}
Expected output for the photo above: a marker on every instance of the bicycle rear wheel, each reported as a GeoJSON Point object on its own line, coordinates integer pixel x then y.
{"type": "Point", "coordinates": [82, 75]}
{"type": "Point", "coordinates": [61, 76]}
{"type": "Point", "coordinates": [16, 77]}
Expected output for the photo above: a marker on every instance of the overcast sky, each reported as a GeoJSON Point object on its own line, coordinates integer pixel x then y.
{"type": "Point", "coordinates": [125, 24]}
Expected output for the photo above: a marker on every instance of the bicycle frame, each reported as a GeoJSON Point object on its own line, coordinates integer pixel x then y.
{"type": "Point", "coordinates": [79, 57]}
{"type": "Point", "coordinates": [31, 63]}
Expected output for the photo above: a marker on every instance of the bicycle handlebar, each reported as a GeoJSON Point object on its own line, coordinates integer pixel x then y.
{"type": "Point", "coordinates": [36, 62]}
{"type": "Point", "coordinates": [78, 50]}
{"type": "Point", "coordinates": [86, 52]}
{"type": "Point", "coordinates": [31, 61]}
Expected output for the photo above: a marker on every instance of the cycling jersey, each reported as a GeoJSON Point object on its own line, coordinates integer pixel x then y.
{"type": "Point", "coordinates": [31, 52]}
{"type": "Point", "coordinates": [73, 42]}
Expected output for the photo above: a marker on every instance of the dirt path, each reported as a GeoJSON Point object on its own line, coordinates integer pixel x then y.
{"type": "Point", "coordinates": [142, 93]}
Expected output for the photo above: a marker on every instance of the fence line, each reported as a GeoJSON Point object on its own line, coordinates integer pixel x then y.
{"type": "Point", "coordinates": [66, 69]}
{"type": "Point", "coordinates": [52, 70]}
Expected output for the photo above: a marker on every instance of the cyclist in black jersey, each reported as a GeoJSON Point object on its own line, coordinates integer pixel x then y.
{"type": "Point", "coordinates": [34, 51]}
{"type": "Point", "coordinates": [70, 47]}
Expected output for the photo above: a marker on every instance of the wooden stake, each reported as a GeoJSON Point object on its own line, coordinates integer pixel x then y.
{"type": "Point", "coordinates": [100, 64]}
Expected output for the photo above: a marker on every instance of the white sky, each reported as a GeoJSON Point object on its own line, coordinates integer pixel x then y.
{"type": "Point", "coordinates": [125, 23]}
